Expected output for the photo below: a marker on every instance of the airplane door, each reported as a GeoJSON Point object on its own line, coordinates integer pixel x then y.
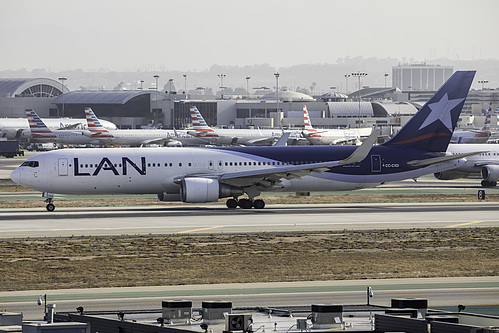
{"type": "Point", "coordinates": [211, 165]}
{"type": "Point", "coordinates": [220, 165]}
{"type": "Point", "coordinates": [63, 167]}
{"type": "Point", "coordinates": [376, 163]}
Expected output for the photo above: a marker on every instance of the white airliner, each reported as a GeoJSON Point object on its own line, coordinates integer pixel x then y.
{"type": "Point", "coordinates": [16, 128]}
{"type": "Point", "coordinates": [244, 137]}
{"type": "Point", "coordinates": [137, 137]}
{"type": "Point", "coordinates": [327, 136]}
{"type": "Point", "coordinates": [205, 174]}
{"type": "Point", "coordinates": [41, 133]}
{"type": "Point", "coordinates": [475, 136]}
{"type": "Point", "coordinates": [484, 165]}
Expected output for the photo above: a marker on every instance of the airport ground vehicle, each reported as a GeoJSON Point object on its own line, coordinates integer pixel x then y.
{"type": "Point", "coordinates": [10, 148]}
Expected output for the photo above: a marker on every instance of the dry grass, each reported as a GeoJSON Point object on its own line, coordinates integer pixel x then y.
{"type": "Point", "coordinates": [84, 262]}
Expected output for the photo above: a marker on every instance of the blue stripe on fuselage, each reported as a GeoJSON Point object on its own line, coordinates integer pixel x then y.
{"type": "Point", "coordinates": [392, 159]}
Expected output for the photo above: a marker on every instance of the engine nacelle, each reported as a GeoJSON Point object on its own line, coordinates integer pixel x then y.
{"type": "Point", "coordinates": [199, 190]}
{"type": "Point", "coordinates": [490, 173]}
{"type": "Point", "coordinates": [449, 175]}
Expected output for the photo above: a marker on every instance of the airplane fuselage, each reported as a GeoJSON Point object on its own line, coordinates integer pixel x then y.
{"type": "Point", "coordinates": [157, 170]}
{"type": "Point", "coordinates": [12, 128]}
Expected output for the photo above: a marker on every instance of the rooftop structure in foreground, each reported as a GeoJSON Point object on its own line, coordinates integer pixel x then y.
{"type": "Point", "coordinates": [178, 316]}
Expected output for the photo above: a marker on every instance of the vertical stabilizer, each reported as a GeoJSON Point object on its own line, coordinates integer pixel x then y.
{"type": "Point", "coordinates": [432, 126]}
{"type": "Point", "coordinates": [37, 127]}
{"type": "Point", "coordinates": [94, 126]}
{"type": "Point", "coordinates": [199, 124]}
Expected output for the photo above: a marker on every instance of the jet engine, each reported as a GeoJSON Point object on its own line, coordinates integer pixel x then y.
{"type": "Point", "coordinates": [199, 190]}
{"type": "Point", "coordinates": [449, 175]}
{"type": "Point", "coordinates": [490, 174]}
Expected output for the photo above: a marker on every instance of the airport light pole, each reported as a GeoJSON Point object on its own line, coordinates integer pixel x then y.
{"type": "Point", "coordinates": [483, 82]}
{"type": "Point", "coordinates": [359, 75]}
{"type": "Point", "coordinates": [247, 85]}
{"type": "Point", "coordinates": [156, 77]}
{"type": "Point", "coordinates": [185, 85]}
{"type": "Point", "coordinates": [221, 76]}
{"type": "Point", "coordinates": [346, 80]}
{"type": "Point", "coordinates": [62, 79]}
{"type": "Point", "coordinates": [141, 81]}
{"type": "Point", "coordinates": [386, 75]}
{"type": "Point", "coordinates": [276, 74]}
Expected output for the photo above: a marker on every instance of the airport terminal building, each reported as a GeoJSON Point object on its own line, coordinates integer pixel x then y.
{"type": "Point", "coordinates": [388, 108]}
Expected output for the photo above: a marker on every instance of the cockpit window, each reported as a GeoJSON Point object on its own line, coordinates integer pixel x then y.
{"type": "Point", "coordinates": [33, 164]}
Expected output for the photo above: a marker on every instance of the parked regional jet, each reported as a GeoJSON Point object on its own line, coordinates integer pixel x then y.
{"type": "Point", "coordinates": [474, 136]}
{"type": "Point", "coordinates": [327, 136]}
{"type": "Point", "coordinates": [137, 137]}
{"type": "Point", "coordinates": [205, 174]}
{"type": "Point", "coordinates": [244, 137]}
{"type": "Point", "coordinates": [41, 133]}
{"type": "Point", "coordinates": [16, 128]}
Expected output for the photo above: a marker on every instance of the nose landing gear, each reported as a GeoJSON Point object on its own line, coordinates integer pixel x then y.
{"type": "Point", "coordinates": [50, 197]}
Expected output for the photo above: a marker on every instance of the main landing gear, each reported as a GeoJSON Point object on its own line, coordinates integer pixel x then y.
{"type": "Point", "coordinates": [245, 203]}
{"type": "Point", "coordinates": [486, 183]}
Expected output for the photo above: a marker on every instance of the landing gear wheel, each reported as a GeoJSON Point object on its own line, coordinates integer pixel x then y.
{"type": "Point", "coordinates": [486, 183]}
{"type": "Point", "coordinates": [50, 207]}
{"type": "Point", "coordinates": [245, 204]}
{"type": "Point", "coordinates": [259, 204]}
{"type": "Point", "coordinates": [232, 203]}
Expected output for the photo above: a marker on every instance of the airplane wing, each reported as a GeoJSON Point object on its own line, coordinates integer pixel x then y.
{"type": "Point", "coordinates": [69, 127]}
{"type": "Point", "coordinates": [261, 141]}
{"type": "Point", "coordinates": [269, 177]}
{"type": "Point", "coordinates": [440, 159]}
{"type": "Point", "coordinates": [283, 140]}
{"type": "Point", "coordinates": [158, 141]}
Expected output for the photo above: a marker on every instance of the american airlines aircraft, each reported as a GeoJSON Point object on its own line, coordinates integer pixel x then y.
{"type": "Point", "coordinates": [474, 136]}
{"type": "Point", "coordinates": [205, 174]}
{"type": "Point", "coordinates": [485, 165]}
{"type": "Point", "coordinates": [327, 136]}
{"type": "Point", "coordinates": [40, 132]}
{"type": "Point", "coordinates": [245, 137]}
{"type": "Point", "coordinates": [136, 137]}
{"type": "Point", "coordinates": [16, 128]}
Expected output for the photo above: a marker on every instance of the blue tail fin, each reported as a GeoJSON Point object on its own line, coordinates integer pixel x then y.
{"type": "Point", "coordinates": [431, 127]}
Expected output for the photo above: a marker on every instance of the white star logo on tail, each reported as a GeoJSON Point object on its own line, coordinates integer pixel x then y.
{"type": "Point", "coordinates": [441, 111]}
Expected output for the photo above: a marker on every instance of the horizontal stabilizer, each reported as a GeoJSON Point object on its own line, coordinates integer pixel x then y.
{"type": "Point", "coordinates": [434, 160]}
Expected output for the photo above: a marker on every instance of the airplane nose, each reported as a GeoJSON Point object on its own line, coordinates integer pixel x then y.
{"type": "Point", "coordinates": [16, 175]}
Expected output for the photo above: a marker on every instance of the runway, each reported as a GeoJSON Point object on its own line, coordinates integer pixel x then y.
{"type": "Point", "coordinates": [98, 221]}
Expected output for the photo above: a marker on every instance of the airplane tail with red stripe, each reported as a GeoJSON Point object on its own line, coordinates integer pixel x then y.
{"type": "Point", "coordinates": [306, 119]}
{"type": "Point", "coordinates": [199, 125]}
{"type": "Point", "coordinates": [37, 127]}
{"type": "Point", "coordinates": [95, 127]}
{"type": "Point", "coordinates": [432, 126]}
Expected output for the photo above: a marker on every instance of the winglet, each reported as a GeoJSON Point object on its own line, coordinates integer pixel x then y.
{"type": "Point", "coordinates": [283, 140]}
{"type": "Point", "coordinates": [361, 153]}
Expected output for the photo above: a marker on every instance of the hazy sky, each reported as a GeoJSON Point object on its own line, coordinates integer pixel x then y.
{"type": "Point", "coordinates": [192, 35]}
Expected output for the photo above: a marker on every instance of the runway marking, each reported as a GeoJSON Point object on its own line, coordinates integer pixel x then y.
{"type": "Point", "coordinates": [193, 230]}
{"type": "Point", "coordinates": [461, 224]}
